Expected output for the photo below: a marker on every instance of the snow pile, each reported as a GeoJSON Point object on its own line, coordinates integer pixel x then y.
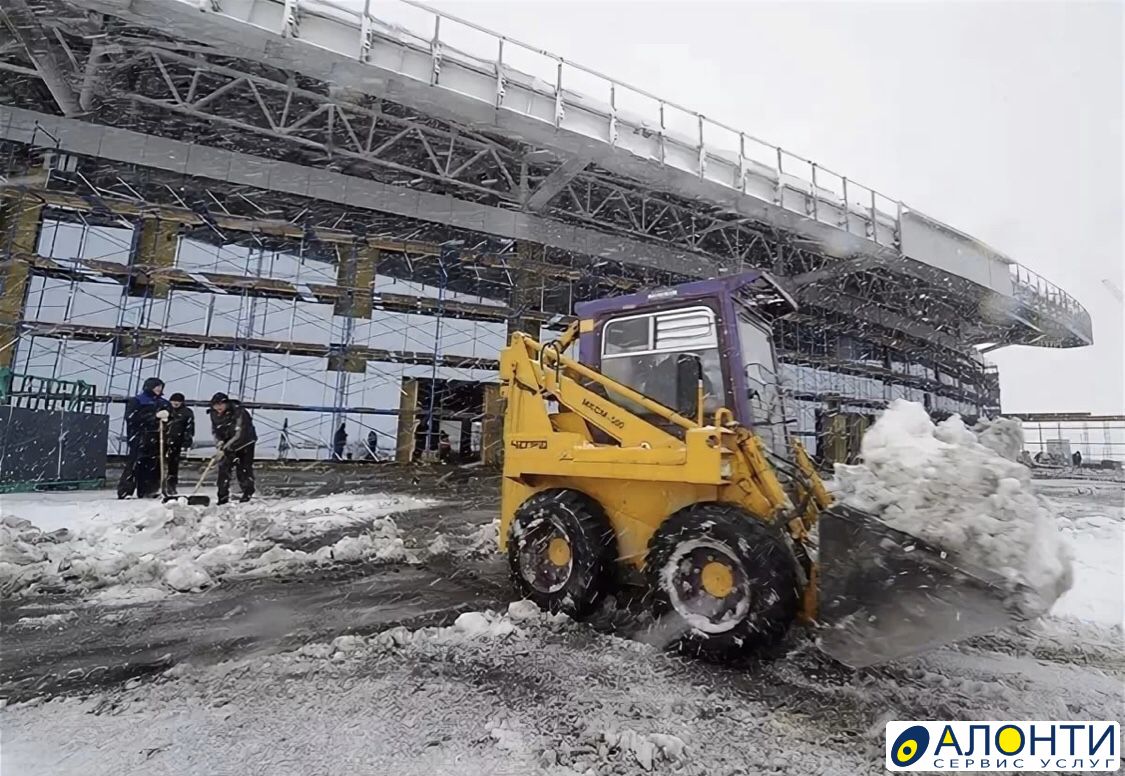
{"type": "Point", "coordinates": [646, 749]}
{"type": "Point", "coordinates": [439, 546]}
{"type": "Point", "coordinates": [184, 548]}
{"type": "Point", "coordinates": [484, 540]}
{"type": "Point", "coordinates": [184, 575]}
{"type": "Point", "coordinates": [57, 620]}
{"type": "Point", "coordinates": [469, 627]}
{"type": "Point", "coordinates": [1003, 436]}
{"type": "Point", "coordinates": [482, 625]}
{"type": "Point", "coordinates": [949, 488]}
{"type": "Point", "coordinates": [477, 542]}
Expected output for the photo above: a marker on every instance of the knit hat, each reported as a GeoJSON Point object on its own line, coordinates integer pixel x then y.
{"type": "Point", "coordinates": [151, 384]}
{"type": "Point", "coordinates": [219, 398]}
{"type": "Point", "coordinates": [176, 397]}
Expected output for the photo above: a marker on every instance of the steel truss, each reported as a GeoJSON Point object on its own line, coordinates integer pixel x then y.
{"type": "Point", "coordinates": [380, 139]}
{"type": "Point", "coordinates": [170, 87]}
{"type": "Point", "coordinates": [226, 214]}
{"type": "Point", "coordinates": [305, 117]}
{"type": "Point", "coordinates": [191, 91]}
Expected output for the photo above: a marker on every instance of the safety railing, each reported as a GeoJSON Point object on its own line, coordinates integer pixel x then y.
{"type": "Point", "coordinates": [684, 136]}
{"type": "Point", "coordinates": [673, 134]}
{"type": "Point", "coordinates": [1045, 297]}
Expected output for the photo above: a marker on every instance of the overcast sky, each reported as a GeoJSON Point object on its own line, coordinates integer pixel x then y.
{"type": "Point", "coordinates": [1001, 119]}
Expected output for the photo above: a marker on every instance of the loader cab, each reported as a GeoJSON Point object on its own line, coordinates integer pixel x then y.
{"type": "Point", "coordinates": [663, 343]}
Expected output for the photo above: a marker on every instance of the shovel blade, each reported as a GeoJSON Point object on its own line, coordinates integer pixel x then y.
{"type": "Point", "coordinates": [885, 594]}
{"type": "Point", "coordinates": [194, 501]}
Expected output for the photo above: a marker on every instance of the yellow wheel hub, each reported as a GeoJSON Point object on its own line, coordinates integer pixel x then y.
{"type": "Point", "coordinates": [717, 579]}
{"type": "Point", "coordinates": [558, 551]}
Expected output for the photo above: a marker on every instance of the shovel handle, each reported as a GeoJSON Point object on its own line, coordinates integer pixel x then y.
{"type": "Point", "coordinates": [163, 464]}
{"type": "Point", "coordinates": [206, 471]}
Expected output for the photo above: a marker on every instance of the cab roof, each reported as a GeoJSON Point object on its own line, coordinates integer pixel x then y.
{"type": "Point", "coordinates": [755, 287]}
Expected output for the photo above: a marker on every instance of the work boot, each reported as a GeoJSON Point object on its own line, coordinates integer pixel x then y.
{"type": "Point", "coordinates": [245, 497]}
{"type": "Point", "coordinates": [222, 500]}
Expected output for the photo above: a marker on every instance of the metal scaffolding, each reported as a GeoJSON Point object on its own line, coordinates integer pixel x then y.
{"type": "Point", "coordinates": [1056, 436]}
{"type": "Point", "coordinates": [316, 316]}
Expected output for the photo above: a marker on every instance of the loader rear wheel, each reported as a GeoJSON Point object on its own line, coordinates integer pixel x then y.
{"type": "Point", "coordinates": [723, 579]}
{"type": "Point", "coordinates": [561, 550]}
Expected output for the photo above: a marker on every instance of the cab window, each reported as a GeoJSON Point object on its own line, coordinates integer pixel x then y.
{"type": "Point", "coordinates": [663, 355]}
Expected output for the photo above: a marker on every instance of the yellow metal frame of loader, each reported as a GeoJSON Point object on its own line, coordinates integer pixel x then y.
{"type": "Point", "coordinates": [648, 474]}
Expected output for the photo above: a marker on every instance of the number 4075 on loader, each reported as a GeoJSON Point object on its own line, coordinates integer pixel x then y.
{"type": "Point", "coordinates": [662, 452]}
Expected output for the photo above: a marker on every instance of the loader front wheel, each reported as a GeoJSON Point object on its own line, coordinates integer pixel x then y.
{"type": "Point", "coordinates": [561, 551]}
{"type": "Point", "coordinates": [724, 583]}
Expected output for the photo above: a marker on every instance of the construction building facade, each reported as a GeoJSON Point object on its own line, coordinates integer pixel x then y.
{"type": "Point", "coordinates": [340, 222]}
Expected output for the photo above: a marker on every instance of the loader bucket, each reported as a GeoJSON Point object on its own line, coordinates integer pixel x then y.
{"type": "Point", "coordinates": [885, 594]}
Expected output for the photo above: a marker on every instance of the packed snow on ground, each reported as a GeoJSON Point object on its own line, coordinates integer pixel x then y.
{"type": "Point", "coordinates": [1091, 515]}
{"type": "Point", "coordinates": [135, 544]}
{"type": "Point", "coordinates": [954, 489]}
{"type": "Point", "coordinates": [521, 692]}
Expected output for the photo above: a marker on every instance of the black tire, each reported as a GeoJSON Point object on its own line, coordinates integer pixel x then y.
{"type": "Point", "coordinates": [763, 596]}
{"type": "Point", "coordinates": [576, 587]}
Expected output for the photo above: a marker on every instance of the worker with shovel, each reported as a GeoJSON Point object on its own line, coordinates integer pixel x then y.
{"type": "Point", "coordinates": [144, 414]}
{"type": "Point", "coordinates": [234, 433]}
{"type": "Point", "coordinates": [178, 436]}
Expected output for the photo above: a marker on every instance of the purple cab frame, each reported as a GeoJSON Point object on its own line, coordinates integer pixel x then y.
{"type": "Point", "coordinates": [756, 290]}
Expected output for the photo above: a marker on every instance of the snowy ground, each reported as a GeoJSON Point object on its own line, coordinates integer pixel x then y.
{"type": "Point", "coordinates": [1091, 514]}
{"type": "Point", "coordinates": [521, 694]}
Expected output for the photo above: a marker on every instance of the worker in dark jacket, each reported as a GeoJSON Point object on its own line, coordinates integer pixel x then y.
{"type": "Point", "coordinates": [339, 442]}
{"type": "Point", "coordinates": [143, 415]}
{"type": "Point", "coordinates": [178, 436]}
{"type": "Point", "coordinates": [234, 433]}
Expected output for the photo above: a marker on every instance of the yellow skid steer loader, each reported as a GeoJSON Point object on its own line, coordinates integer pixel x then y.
{"type": "Point", "coordinates": [662, 450]}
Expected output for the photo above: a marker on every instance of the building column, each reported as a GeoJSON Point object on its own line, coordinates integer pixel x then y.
{"type": "Point", "coordinates": [153, 257]}
{"type": "Point", "coordinates": [355, 278]}
{"type": "Point", "coordinates": [526, 298]}
{"type": "Point", "coordinates": [19, 243]}
{"type": "Point", "coordinates": [407, 420]}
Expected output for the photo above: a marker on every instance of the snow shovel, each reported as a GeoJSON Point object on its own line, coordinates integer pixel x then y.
{"type": "Point", "coordinates": [194, 499]}
{"type": "Point", "coordinates": [885, 594]}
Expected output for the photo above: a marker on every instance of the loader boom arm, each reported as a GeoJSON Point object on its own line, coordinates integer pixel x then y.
{"type": "Point", "coordinates": [593, 435]}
